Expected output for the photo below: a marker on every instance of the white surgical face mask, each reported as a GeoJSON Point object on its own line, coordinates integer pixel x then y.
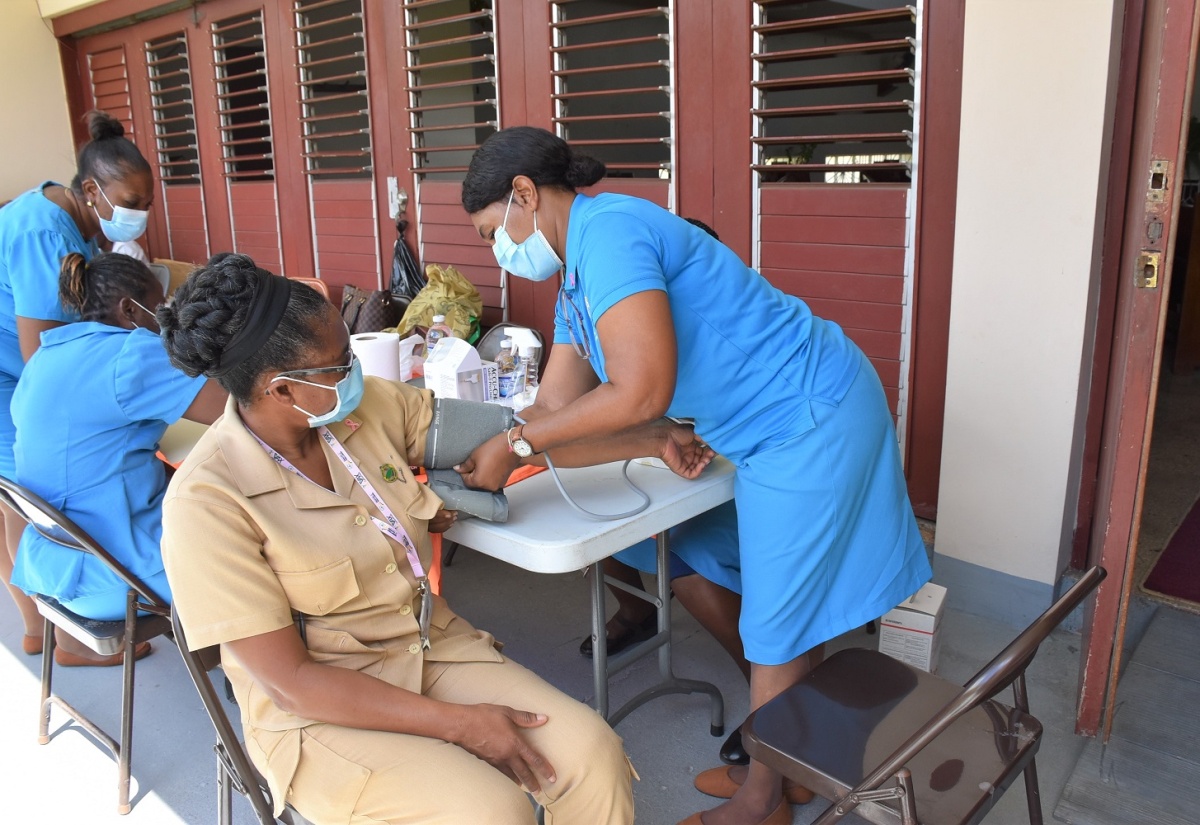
{"type": "Point", "coordinates": [532, 258]}
{"type": "Point", "coordinates": [125, 225]}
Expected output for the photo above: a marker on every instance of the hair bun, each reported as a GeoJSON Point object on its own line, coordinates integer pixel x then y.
{"type": "Point", "coordinates": [584, 171]}
{"type": "Point", "coordinates": [103, 126]}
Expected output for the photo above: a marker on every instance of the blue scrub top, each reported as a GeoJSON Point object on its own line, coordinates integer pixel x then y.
{"type": "Point", "coordinates": [35, 235]}
{"type": "Point", "coordinates": [737, 334]}
{"type": "Point", "coordinates": [90, 409]}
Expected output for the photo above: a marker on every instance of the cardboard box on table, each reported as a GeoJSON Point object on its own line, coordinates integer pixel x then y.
{"type": "Point", "coordinates": [910, 631]}
{"type": "Point", "coordinates": [455, 370]}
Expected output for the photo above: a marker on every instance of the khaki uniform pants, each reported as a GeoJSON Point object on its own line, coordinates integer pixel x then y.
{"type": "Point", "coordinates": [352, 777]}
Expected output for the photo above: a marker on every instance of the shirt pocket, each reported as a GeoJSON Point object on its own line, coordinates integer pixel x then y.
{"type": "Point", "coordinates": [323, 590]}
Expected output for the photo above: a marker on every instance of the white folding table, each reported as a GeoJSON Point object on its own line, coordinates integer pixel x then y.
{"type": "Point", "coordinates": [545, 535]}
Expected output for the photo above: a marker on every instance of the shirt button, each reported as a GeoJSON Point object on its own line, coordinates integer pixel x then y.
{"type": "Point", "coordinates": [391, 568]}
{"type": "Point", "coordinates": [360, 520]}
{"type": "Point", "coordinates": [414, 648]}
{"type": "Point", "coordinates": [405, 610]}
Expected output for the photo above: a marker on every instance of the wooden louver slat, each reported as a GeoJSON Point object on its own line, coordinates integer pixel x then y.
{"type": "Point", "coordinates": [833, 93]}
{"type": "Point", "coordinates": [172, 109]}
{"type": "Point", "coordinates": [246, 135]}
{"type": "Point", "coordinates": [451, 82]}
{"type": "Point", "coordinates": [331, 59]}
{"type": "Point", "coordinates": [613, 83]}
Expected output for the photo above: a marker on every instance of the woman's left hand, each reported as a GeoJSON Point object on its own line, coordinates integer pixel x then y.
{"type": "Point", "coordinates": [684, 452]}
{"type": "Point", "coordinates": [442, 520]}
{"type": "Point", "coordinates": [489, 467]}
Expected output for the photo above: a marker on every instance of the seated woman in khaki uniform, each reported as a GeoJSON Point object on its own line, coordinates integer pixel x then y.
{"type": "Point", "coordinates": [299, 500]}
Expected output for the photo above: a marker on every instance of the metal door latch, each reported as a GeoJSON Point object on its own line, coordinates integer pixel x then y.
{"type": "Point", "coordinates": [1146, 274]}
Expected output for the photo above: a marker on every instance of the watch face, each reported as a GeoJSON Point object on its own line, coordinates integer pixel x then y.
{"type": "Point", "coordinates": [521, 447]}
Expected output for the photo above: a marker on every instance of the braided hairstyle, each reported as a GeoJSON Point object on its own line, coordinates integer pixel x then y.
{"type": "Point", "coordinates": [93, 289]}
{"type": "Point", "coordinates": [543, 157]}
{"type": "Point", "coordinates": [109, 155]}
{"type": "Point", "coordinates": [211, 306]}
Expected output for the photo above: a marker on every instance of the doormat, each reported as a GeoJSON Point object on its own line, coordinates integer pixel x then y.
{"type": "Point", "coordinates": [1176, 574]}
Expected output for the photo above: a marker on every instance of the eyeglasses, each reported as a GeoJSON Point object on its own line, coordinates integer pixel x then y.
{"type": "Point", "coordinates": [294, 374]}
{"type": "Point", "coordinates": [571, 314]}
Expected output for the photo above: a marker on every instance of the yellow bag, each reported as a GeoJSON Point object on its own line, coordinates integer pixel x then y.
{"type": "Point", "coordinates": [448, 293]}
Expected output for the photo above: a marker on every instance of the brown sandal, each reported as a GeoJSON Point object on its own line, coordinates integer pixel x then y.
{"type": "Point", "coordinates": [631, 633]}
{"type": "Point", "coordinates": [65, 658]}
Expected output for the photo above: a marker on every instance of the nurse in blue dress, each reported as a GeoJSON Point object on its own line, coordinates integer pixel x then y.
{"type": "Point", "coordinates": [110, 194]}
{"type": "Point", "coordinates": [655, 318]}
{"type": "Point", "coordinates": [95, 459]}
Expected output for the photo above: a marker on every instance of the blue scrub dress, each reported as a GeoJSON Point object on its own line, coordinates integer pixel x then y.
{"type": "Point", "coordinates": [90, 409]}
{"type": "Point", "coordinates": [827, 540]}
{"type": "Point", "coordinates": [35, 235]}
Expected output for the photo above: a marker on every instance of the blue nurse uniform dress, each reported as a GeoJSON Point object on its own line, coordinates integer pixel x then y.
{"type": "Point", "coordinates": [90, 410]}
{"type": "Point", "coordinates": [827, 540]}
{"type": "Point", "coordinates": [35, 235]}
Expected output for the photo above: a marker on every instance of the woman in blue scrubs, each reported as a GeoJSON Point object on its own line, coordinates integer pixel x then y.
{"type": "Point", "coordinates": [655, 318]}
{"type": "Point", "coordinates": [109, 195]}
{"type": "Point", "coordinates": [96, 460]}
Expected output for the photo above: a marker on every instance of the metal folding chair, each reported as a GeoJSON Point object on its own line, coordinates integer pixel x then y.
{"type": "Point", "coordinates": [234, 769]}
{"type": "Point", "coordinates": [862, 718]}
{"type": "Point", "coordinates": [105, 638]}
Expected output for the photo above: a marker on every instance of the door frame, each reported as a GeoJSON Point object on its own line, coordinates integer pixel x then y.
{"type": "Point", "coordinates": [1162, 62]}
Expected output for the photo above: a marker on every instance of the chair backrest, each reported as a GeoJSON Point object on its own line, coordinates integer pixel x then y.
{"type": "Point", "coordinates": [997, 674]}
{"type": "Point", "coordinates": [229, 749]}
{"type": "Point", "coordinates": [53, 524]}
{"type": "Point", "coordinates": [317, 284]}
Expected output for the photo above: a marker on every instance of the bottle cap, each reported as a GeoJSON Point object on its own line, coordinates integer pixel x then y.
{"type": "Point", "coordinates": [437, 319]}
{"type": "Point", "coordinates": [506, 342]}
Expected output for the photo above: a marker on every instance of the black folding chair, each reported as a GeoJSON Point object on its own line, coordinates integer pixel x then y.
{"type": "Point", "coordinates": [234, 769]}
{"type": "Point", "coordinates": [105, 638]}
{"type": "Point", "coordinates": [862, 718]}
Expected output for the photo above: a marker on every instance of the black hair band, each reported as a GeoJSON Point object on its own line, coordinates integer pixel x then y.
{"type": "Point", "coordinates": [266, 311]}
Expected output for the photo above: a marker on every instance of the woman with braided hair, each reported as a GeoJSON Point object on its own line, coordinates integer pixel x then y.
{"type": "Point", "coordinates": [96, 461]}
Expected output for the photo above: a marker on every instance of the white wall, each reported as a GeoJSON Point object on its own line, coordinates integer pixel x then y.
{"type": "Point", "coordinates": [36, 141]}
{"type": "Point", "coordinates": [53, 8]}
{"type": "Point", "coordinates": [1032, 160]}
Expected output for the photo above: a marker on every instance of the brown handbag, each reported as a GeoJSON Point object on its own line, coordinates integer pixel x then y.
{"type": "Point", "coordinates": [369, 310]}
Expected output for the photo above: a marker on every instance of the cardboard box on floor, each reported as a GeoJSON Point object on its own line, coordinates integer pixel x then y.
{"type": "Point", "coordinates": [910, 631]}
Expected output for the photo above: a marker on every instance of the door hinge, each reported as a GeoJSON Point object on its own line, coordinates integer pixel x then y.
{"type": "Point", "coordinates": [1146, 274]}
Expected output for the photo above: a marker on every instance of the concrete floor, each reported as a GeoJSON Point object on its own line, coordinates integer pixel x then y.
{"type": "Point", "coordinates": [542, 619]}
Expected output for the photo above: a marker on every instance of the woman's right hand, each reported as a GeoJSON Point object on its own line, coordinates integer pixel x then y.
{"type": "Point", "coordinates": [490, 465]}
{"type": "Point", "coordinates": [493, 733]}
{"type": "Point", "coordinates": [684, 452]}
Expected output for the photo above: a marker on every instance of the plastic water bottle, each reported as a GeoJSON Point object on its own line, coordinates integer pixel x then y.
{"type": "Point", "coordinates": [506, 368]}
{"type": "Point", "coordinates": [437, 332]}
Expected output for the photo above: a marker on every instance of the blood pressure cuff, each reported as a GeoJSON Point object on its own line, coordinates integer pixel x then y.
{"type": "Point", "coordinates": [458, 427]}
{"type": "Point", "coordinates": [482, 504]}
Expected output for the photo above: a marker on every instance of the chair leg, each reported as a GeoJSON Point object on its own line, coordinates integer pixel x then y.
{"type": "Point", "coordinates": [224, 795]}
{"type": "Point", "coordinates": [1033, 794]}
{"type": "Point", "coordinates": [125, 749]}
{"type": "Point", "coordinates": [47, 666]}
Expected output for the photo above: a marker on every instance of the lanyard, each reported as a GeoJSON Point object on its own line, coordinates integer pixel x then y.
{"type": "Point", "coordinates": [389, 525]}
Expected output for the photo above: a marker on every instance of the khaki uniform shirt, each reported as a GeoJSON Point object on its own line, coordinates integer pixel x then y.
{"type": "Point", "coordinates": [247, 543]}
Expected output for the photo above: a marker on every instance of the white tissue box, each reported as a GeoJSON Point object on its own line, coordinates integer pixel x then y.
{"type": "Point", "coordinates": [911, 631]}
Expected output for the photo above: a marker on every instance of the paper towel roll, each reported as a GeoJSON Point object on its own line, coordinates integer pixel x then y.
{"type": "Point", "coordinates": [379, 353]}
